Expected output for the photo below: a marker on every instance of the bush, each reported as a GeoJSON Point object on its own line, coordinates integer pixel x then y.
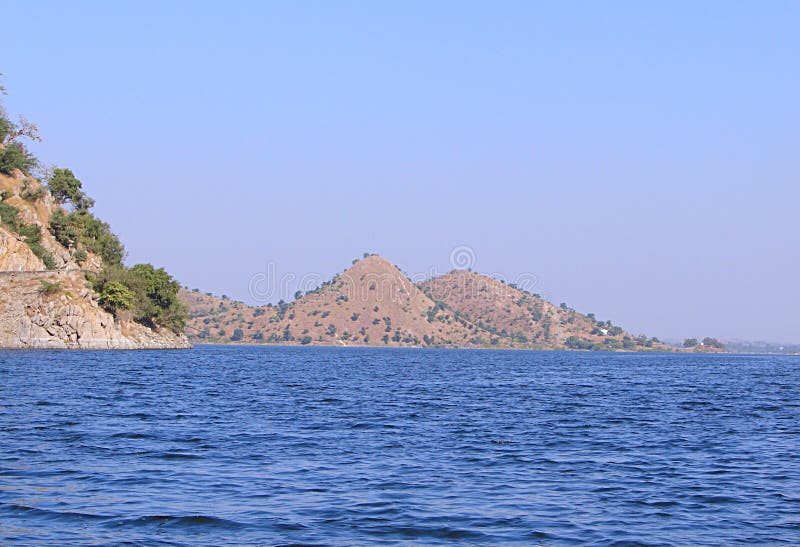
{"type": "Point", "coordinates": [82, 228]}
{"type": "Point", "coordinates": [575, 342]}
{"type": "Point", "coordinates": [713, 343]}
{"type": "Point", "coordinates": [48, 288]}
{"type": "Point", "coordinates": [116, 297]}
{"type": "Point", "coordinates": [15, 156]}
{"type": "Point", "coordinates": [305, 340]}
{"type": "Point", "coordinates": [238, 334]}
{"type": "Point", "coordinates": [155, 293]}
{"type": "Point", "coordinates": [28, 193]}
{"type": "Point", "coordinates": [613, 344]}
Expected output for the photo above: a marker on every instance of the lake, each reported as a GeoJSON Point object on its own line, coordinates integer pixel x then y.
{"type": "Point", "coordinates": [344, 446]}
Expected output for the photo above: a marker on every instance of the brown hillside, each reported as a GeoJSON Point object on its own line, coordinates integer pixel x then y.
{"type": "Point", "coordinates": [372, 303]}
{"type": "Point", "coordinates": [524, 318]}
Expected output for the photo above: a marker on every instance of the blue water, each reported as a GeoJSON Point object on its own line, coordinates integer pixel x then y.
{"type": "Point", "coordinates": [260, 445]}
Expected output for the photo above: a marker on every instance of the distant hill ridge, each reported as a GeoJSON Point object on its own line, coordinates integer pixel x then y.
{"type": "Point", "coordinates": [373, 303]}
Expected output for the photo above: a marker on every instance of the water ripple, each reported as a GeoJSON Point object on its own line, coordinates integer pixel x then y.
{"type": "Point", "coordinates": [323, 446]}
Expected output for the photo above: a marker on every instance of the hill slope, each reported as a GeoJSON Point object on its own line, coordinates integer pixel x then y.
{"type": "Point", "coordinates": [371, 303]}
{"type": "Point", "coordinates": [46, 300]}
{"type": "Point", "coordinates": [374, 304]}
{"type": "Point", "coordinates": [527, 319]}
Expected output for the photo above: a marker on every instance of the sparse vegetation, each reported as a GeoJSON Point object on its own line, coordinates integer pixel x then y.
{"type": "Point", "coordinates": [50, 288]}
{"type": "Point", "coordinates": [477, 313]}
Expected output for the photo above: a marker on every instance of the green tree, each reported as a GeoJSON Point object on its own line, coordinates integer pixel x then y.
{"type": "Point", "coordinates": [116, 297]}
{"type": "Point", "coordinates": [690, 343]}
{"type": "Point", "coordinates": [156, 300]}
{"type": "Point", "coordinates": [15, 156]}
{"type": "Point", "coordinates": [64, 186]}
{"type": "Point", "coordinates": [713, 343]}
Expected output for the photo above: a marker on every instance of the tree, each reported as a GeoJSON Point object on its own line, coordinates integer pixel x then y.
{"type": "Point", "coordinates": [155, 301]}
{"type": "Point", "coordinates": [14, 154]}
{"type": "Point", "coordinates": [713, 343]}
{"type": "Point", "coordinates": [690, 343]}
{"type": "Point", "coordinates": [12, 132]}
{"type": "Point", "coordinates": [238, 334]}
{"type": "Point", "coordinates": [64, 186]}
{"type": "Point", "coordinates": [116, 297]}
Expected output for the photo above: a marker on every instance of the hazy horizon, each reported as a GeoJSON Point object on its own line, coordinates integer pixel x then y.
{"type": "Point", "coordinates": [638, 161]}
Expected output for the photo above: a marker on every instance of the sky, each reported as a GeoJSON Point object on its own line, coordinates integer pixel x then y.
{"type": "Point", "coordinates": [638, 160]}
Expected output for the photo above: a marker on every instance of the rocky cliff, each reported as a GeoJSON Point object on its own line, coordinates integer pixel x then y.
{"type": "Point", "coordinates": [52, 305]}
{"type": "Point", "coordinates": [55, 310]}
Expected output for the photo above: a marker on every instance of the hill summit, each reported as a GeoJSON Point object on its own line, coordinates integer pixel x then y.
{"type": "Point", "coordinates": [373, 303]}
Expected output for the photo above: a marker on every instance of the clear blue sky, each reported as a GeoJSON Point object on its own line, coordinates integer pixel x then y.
{"type": "Point", "coordinates": [641, 159]}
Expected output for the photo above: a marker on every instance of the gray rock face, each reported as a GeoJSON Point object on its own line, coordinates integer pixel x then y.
{"type": "Point", "coordinates": [69, 319]}
{"type": "Point", "coordinates": [15, 255]}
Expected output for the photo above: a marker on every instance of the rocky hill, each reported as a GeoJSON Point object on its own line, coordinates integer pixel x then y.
{"type": "Point", "coordinates": [63, 283]}
{"type": "Point", "coordinates": [509, 312]}
{"type": "Point", "coordinates": [46, 300]}
{"type": "Point", "coordinates": [374, 304]}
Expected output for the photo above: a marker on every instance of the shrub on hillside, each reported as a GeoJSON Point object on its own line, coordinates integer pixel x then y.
{"type": "Point", "coordinates": [31, 233]}
{"type": "Point", "coordinates": [16, 156]}
{"type": "Point", "coordinates": [155, 294]}
{"type": "Point", "coordinates": [50, 288]}
{"type": "Point", "coordinates": [82, 229]}
{"type": "Point", "coordinates": [117, 297]}
{"type": "Point", "coordinates": [575, 342]}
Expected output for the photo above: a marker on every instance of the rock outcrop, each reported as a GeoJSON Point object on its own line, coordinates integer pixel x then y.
{"type": "Point", "coordinates": [15, 255]}
{"type": "Point", "coordinates": [43, 309]}
{"type": "Point", "coordinates": [56, 310]}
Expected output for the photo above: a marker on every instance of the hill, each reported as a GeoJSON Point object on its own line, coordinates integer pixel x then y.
{"type": "Point", "coordinates": [63, 283]}
{"type": "Point", "coordinates": [527, 319]}
{"type": "Point", "coordinates": [371, 303]}
{"type": "Point", "coordinates": [374, 304]}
